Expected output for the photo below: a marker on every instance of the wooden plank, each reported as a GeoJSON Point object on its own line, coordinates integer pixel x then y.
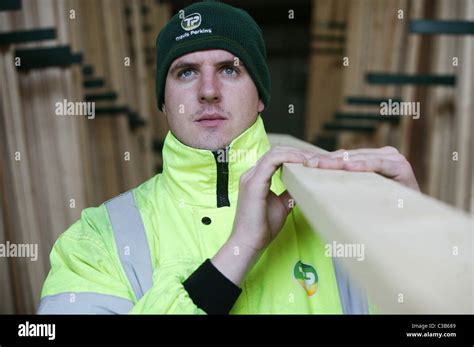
{"type": "Point", "coordinates": [409, 251]}
{"type": "Point", "coordinates": [39, 187]}
{"type": "Point", "coordinates": [439, 111]}
{"type": "Point", "coordinates": [141, 79]}
{"type": "Point", "coordinates": [464, 127]}
{"type": "Point", "coordinates": [6, 293]}
{"type": "Point", "coordinates": [374, 33]}
{"type": "Point", "coordinates": [325, 82]}
{"type": "Point", "coordinates": [71, 29]}
{"type": "Point", "coordinates": [415, 9]}
{"type": "Point", "coordinates": [419, 136]}
{"type": "Point", "coordinates": [17, 188]}
{"type": "Point", "coordinates": [101, 134]}
{"type": "Point", "coordinates": [131, 172]}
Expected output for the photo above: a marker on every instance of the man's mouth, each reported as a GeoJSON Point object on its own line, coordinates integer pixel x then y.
{"type": "Point", "coordinates": [210, 120]}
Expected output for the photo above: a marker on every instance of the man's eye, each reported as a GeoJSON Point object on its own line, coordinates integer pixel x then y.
{"type": "Point", "coordinates": [185, 73]}
{"type": "Point", "coordinates": [230, 70]}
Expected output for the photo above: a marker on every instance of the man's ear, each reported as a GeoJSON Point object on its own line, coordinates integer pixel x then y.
{"type": "Point", "coordinates": [261, 105]}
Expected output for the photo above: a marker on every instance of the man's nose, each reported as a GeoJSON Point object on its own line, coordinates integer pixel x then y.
{"type": "Point", "coordinates": [209, 89]}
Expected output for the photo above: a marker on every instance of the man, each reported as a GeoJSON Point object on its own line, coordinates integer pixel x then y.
{"type": "Point", "coordinates": [212, 233]}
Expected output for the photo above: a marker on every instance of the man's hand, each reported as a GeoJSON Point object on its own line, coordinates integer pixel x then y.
{"type": "Point", "coordinates": [261, 214]}
{"type": "Point", "coordinates": [386, 161]}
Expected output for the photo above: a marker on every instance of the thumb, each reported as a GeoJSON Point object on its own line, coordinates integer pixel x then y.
{"type": "Point", "coordinates": [278, 209]}
{"type": "Point", "coordinates": [287, 201]}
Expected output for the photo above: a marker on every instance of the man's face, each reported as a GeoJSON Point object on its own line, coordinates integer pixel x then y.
{"type": "Point", "coordinates": [210, 99]}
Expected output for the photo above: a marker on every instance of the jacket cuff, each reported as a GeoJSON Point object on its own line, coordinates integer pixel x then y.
{"type": "Point", "coordinates": [210, 290]}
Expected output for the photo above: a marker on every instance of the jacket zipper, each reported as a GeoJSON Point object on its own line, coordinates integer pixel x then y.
{"type": "Point", "coordinates": [222, 183]}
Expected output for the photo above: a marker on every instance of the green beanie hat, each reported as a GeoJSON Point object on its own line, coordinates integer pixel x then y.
{"type": "Point", "coordinates": [213, 25]}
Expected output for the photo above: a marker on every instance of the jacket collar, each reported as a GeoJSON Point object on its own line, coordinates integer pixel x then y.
{"type": "Point", "coordinates": [190, 175]}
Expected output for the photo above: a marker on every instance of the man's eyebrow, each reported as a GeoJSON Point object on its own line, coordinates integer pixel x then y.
{"type": "Point", "coordinates": [182, 65]}
{"type": "Point", "coordinates": [189, 65]}
{"type": "Point", "coordinates": [226, 62]}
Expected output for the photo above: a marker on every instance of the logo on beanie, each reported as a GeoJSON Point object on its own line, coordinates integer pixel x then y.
{"type": "Point", "coordinates": [191, 21]}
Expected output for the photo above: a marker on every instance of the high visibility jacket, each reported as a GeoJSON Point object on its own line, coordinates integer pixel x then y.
{"type": "Point", "coordinates": [133, 253]}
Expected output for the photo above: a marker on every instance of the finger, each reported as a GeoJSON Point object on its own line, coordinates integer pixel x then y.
{"type": "Point", "coordinates": [385, 167]}
{"type": "Point", "coordinates": [369, 156]}
{"type": "Point", "coordinates": [267, 167]}
{"type": "Point", "coordinates": [273, 159]}
{"type": "Point", "coordinates": [307, 154]}
{"type": "Point", "coordinates": [325, 162]}
{"type": "Point", "coordinates": [382, 150]}
{"type": "Point", "coordinates": [330, 161]}
{"type": "Point", "coordinates": [278, 210]}
{"type": "Point", "coordinates": [388, 167]}
{"type": "Point", "coordinates": [287, 201]}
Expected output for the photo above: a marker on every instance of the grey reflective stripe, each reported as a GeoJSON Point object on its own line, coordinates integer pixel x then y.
{"type": "Point", "coordinates": [84, 303]}
{"type": "Point", "coordinates": [131, 241]}
{"type": "Point", "coordinates": [353, 299]}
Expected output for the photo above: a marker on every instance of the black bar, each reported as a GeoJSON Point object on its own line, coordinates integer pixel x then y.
{"type": "Point", "coordinates": [87, 70]}
{"type": "Point", "coordinates": [9, 5]}
{"type": "Point", "coordinates": [366, 100]}
{"type": "Point", "coordinates": [327, 51]}
{"type": "Point", "coordinates": [135, 121]}
{"type": "Point", "coordinates": [436, 27]}
{"type": "Point", "coordinates": [332, 25]}
{"type": "Point", "coordinates": [367, 116]}
{"type": "Point", "coordinates": [384, 329]}
{"type": "Point", "coordinates": [111, 110]}
{"type": "Point", "coordinates": [329, 38]}
{"type": "Point", "coordinates": [102, 96]}
{"type": "Point", "coordinates": [76, 58]}
{"type": "Point", "coordinates": [43, 57]}
{"type": "Point", "coordinates": [393, 78]}
{"type": "Point", "coordinates": [21, 36]}
{"type": "Point", "coordinates": [93, 83]}
{"type": "Point", "coordinates": [368, 127]}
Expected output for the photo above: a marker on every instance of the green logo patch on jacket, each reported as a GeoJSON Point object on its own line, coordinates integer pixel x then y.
{"type": "Point", "coordinates": [306, 276]}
